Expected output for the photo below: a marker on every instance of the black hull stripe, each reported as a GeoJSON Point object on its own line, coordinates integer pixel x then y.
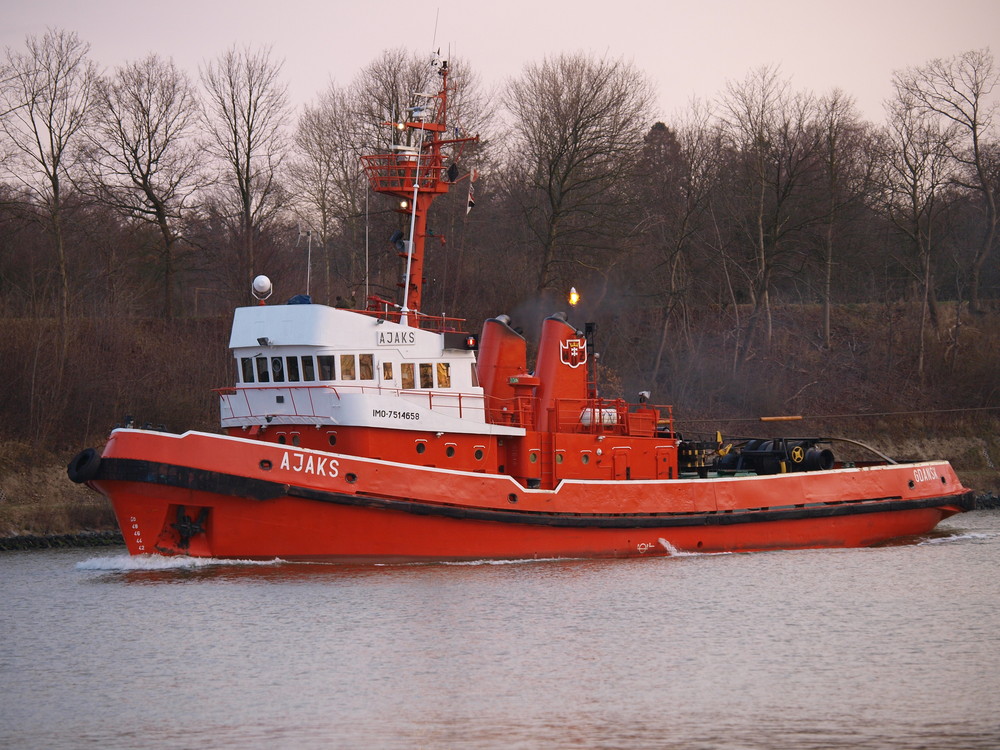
{"type": "Point", "coordinates": [201, 480]}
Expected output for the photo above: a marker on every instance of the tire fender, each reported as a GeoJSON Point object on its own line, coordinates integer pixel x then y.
{"type": "Point", "coordinates": [84, 466]}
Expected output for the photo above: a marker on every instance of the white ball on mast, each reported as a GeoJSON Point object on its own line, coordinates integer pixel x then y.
{"type": "Point", "coordinates": [262, 287]}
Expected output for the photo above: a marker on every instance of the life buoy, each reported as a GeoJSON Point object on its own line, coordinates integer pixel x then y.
{"type": "Point", "coordinates": [84, 466]}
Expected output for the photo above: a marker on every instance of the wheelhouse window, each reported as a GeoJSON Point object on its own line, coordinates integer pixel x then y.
{"type": "Point", "coordinates": [407, 373]}
{"type": "Point", "coordinates": [366, 366]}
{"type": "Point", "coordinates": [347, 367]}
{"type": "Point", "coordinates": [426, 375]}
{"type": "Point", "coordinates": [387, 371]}
{"type": "Point", "coordinates": [292, 368]}
{"type": "Point", "coordinates": [263, 370]}
{"type": "Point", "coordinates": [444, 375]}
{"type": "Point", "coordinates": [246, 369]}
{"type": "Point", "coordinates": [308, 368]}
{"type": "Point", "coordinates": [278, 369]}
{"type": "Point", "coordinates": [326, 367]}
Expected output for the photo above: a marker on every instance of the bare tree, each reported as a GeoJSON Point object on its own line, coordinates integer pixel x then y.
{"type": "Point", "coordinates": [677, 170]}
{"type": "Point", "coordinates": [914, 170]}
{"type": "Point", "coordinates": [577, 132]}
{"type": "Point", "coordinates": [245, 114]}
{"type": "Point", "coordinates": [770, 131]}
{"type": "Point", "coordinates": [383, 93]}
{"type": "Point", "coordinates": [327, 180]}
{"type": "Point", "coordinates": [956, 89]}
{"type": "Point", "coordinates": [385, 89]}
{"type": "Point", "coordinates": [45, 101]}
{"type": "Point", "coordinates": [144, 164]}
{"type": "Point", "coordinates": [843, 139]}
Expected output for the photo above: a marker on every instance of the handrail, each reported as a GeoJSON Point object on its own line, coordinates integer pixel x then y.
{"type": "Point", "coordinates": [393, 313]}
{"type": "Point", "coordinates": [436, 400]}
{"type": "Point", "coordinates": [594, 416]}
{"type": "Point", "coordinates": [589, 416]}
{"type": "Point", "coordinates": [399, 171]}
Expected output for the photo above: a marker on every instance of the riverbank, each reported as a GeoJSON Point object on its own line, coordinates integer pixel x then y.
{"type": "Point", "coordinates": [62, 541]}
{"type": "Point", "coordinates": [37, 500]}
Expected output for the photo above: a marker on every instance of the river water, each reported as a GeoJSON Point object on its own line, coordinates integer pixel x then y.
{"type": "Point", "coordinates": [894, 647]}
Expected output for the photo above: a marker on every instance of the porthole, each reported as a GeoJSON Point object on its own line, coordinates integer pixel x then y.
{"type": "Point", "coordinates": [282, 439]}
{"type": "Point", "coordinates": [351, 478]}
{"type": "Point", "coordinates": [295, 440]}
{"type": "Point", "coordinates": [266, 465]}
{"type": "Point", "coordinates": [450, 451]}
{"type": "Point", "coordinates": [533, 457]}
{"type": "Point", "coordinates": [511, 498]}
{"type": "Point", "coordinates": [332, 439]}
{"type": "Point", "coordinates": [478, 454]}
{"type": "Point", "coordinates": [421, 447]}
{"type": "Point", "coordinates": [559, 458]}
{"type": "Point", "coordinates": [585, 458]}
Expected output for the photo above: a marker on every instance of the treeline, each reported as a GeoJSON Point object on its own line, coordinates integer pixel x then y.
{"type": "Point", "coordinates": [769, 250]}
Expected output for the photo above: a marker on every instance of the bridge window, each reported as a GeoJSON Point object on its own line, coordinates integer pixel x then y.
{"type": "Point", "coordinates": [347, 363]}
{"type": "Point", "coordinates": [326, 368]}
{"type": "Point", "coordinates": [292, 368]}
{"type": "Point", "coordinates": [278, 368]}
{"type": "Point", "coordinates": [426, 375]}
{"type": "Point", "coordinates": [408, 377]}
{"type": "Point", "coordinates": [308, 368]}
{"type": "Point", "coordinates": [263, 370]}
{"type": "Point", "coordinates": [444, 375]}
{"type": "Point", "coordinates": [366, 366]}
{"type": "Point", "coordinates": [246, 367]}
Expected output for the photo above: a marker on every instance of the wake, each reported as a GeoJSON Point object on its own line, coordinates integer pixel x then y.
{"type": "Point", "coordinates": [158, 562]}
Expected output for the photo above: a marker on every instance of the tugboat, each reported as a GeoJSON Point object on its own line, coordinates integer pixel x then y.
{"type": "Point", "coordinates": [387, 434]}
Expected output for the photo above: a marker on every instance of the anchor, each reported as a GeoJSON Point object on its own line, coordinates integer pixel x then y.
{"type": "Point", "coordinates": [188, 527]}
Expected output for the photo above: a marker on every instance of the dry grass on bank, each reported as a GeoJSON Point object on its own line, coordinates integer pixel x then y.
{"type": "Point", "coordinates": [37, 498]}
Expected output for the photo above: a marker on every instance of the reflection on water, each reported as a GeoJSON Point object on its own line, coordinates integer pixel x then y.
{"type": "Point", "coordinates": [891, 647]}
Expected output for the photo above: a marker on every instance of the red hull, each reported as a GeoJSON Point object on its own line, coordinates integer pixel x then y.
{"type": "Point", "coordinates": [247, 499]}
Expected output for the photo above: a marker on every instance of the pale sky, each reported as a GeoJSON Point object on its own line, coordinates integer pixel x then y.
{"type": "Point", "coordinates": [688, 49]}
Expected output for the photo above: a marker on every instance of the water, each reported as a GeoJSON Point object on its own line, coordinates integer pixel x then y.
{"type": "Point", "coordinates": [895, 647]}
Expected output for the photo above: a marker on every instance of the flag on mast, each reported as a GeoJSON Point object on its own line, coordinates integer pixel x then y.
{"type": "Point", "coordinates": [472, 192]}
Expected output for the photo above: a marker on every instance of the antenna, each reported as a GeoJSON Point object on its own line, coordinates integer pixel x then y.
{"type": "Point", "coordinates": [308, 235]}
{"type": "Point", "coordinates": [404, 311]}
{"type": "Point", "coordinates": [367, 233]}
{"type": "Point", "coordinates": [309, 258]}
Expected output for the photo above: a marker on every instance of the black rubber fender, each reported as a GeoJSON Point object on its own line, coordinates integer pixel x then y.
{"type": "Point", "coordinates": [84, 466]}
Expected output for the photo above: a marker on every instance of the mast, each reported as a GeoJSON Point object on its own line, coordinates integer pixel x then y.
{"type": "Point", "coordinates": [417, 173]}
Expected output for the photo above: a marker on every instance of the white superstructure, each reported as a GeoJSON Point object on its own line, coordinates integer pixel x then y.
{"type": "Point", "coordinates": [319, 365]}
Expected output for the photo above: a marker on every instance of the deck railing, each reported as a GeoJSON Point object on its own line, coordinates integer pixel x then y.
{"type": "Point", "coordinates": [308, 401]}
{"type": "Point", "coordinates": [380, 307]}
{"type": "Point", "coordinates": [588, 416]}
